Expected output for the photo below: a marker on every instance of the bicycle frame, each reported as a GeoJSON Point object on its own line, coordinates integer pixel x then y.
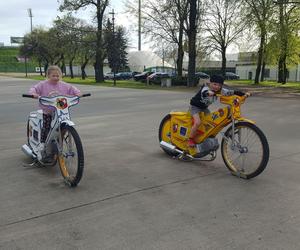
{"type": "Point", "coordinates": [211, 124]}
{"type": "Point", "coordinates": [61, 117]}
{"type": "Point", "coordinates": [234, 103]}
{"type": "Point", "coordinates": [244, 147]}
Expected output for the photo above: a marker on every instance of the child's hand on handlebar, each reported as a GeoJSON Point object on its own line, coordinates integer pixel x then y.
{"type": "Point", "coordinates": [247, 94]}
{"type": "Point", "coordinates": [211, 93]}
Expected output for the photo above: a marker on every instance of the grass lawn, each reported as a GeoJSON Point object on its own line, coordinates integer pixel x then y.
{"type": "Point", "coordinates": [292, 86]}
{"type": "Point", "coordinates": [110, 83]}
{"type": "Point", "coordinates": [274, 84]}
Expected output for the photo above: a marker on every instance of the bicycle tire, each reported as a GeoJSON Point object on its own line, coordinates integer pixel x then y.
{"type": "Point", "coordinates": [232, 164]}
{"type": "Point", "coordinates": [71, 177]}
{"type": "Point", "coordinates": [164, 133]}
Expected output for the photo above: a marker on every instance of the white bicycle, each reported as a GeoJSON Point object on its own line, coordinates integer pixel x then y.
{"type": "Point", "coordinates": [63, 143]}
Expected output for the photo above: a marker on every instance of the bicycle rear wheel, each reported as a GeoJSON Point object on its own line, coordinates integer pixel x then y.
{"type": "Point", "coordinates": [71, 159]}
{"type": "Point", "coordinates": [164, 133]}
{"type": "Point", "coordinates": [248, 155]}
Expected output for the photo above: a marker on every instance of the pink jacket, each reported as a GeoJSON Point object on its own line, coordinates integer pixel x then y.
{"type": "Point", "coordinates": [47, 88]}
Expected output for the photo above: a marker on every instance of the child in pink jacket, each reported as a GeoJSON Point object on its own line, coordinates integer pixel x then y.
{"type": "Point", "coordinates": [52, 86]}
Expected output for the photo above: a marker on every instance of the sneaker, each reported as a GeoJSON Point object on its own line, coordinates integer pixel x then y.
{"type": "Point", "coordinates": [191, 142]}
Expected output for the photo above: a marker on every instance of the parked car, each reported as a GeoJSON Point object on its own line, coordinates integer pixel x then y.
{"type": "Point", "coordinates": [135, 73]}
{"type": "Point", "coordinates": [120, 75]}
{"type": "Point", "coordinates": [157, 76]}
{"type": "Point", "coordinates": [231, 76]}
{"type": "Point", "coordinates": [201, 76]}
{"type": "Point", "coordinates": [143, 76]}
{"type": "Point", "coordinates": [123, 76]}
{"type": "Point", "coordinates": [109, 75]}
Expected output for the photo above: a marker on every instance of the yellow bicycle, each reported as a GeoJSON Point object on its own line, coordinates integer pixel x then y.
{"type": "Point", "coordinates": [244, 147]}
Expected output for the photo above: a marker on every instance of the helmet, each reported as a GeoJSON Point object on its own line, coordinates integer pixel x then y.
{"type": "Point", "coordinates": [217, 78]}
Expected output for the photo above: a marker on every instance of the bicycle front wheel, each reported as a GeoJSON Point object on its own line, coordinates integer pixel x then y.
{"type": "Point", "coordinates": [247, 156]}
{"type": "Point", "coordinates": [71, 158]}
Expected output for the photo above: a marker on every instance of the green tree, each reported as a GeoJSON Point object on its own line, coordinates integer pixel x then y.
{"type": "Point", "coordinates": [116, 45]}
{"type": "Point", "coordinates": [260, 13]}
{"type": "Point", "coordinates": [273, 49]}
{"type": "Point", "coordinates": [121, 48]}
{"type": "Point", "coordinates": [164, 22]}
{"type": "Point", "coordinates": [100, 6]}
{"type": "Point", "coordinates": [69, 35]}
{"type": "Point", "coordinates": [287, 28]}
{"type": "Point", "coordinates": [86, 52]}
{"type": "Point", "coordinates": [224, 24]}
{"type": "Point", "coordinates": [42, 45]}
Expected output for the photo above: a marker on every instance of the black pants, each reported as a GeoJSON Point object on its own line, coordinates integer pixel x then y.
{"type": "Point", "coordinates": [47, 118]}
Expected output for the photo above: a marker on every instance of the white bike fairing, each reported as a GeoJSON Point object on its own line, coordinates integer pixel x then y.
{"type": "Point", "coordinates": [60, 115]}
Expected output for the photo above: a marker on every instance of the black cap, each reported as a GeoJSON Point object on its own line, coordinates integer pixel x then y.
{"type": "Point", "coordinates": [217, 78]}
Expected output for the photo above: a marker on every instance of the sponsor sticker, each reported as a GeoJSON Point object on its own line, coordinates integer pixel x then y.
{"type": "Point", "coordinates": [214, 116]}
{"type": "Point", "coordinates": [175, 128]}
{"type": "Point", "coordinates": [221, 112]}
{"type": "Point", "coordinates": [183, 131]}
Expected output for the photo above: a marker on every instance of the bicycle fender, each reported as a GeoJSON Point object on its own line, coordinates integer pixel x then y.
{"type": "Point", "coordinates": [67, 123]}
{"type": "Point", "coordinates": [245, 120]}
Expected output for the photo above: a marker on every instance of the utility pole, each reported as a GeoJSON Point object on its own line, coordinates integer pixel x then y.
{"type": "Point", "coordinates": [139, 28]}
{"type": "Point", "coordinates": [114, 47]}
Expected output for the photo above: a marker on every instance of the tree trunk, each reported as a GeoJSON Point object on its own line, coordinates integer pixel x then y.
{"type": "Point", "coordinates": [40, 66]}
{"type": "Point", "coordinates": [260, 55]}
{"type": "Point", "coordinates": [71, 69]}
{"type": "Point", "coordinates": [192, 43]}
{"type": "Point", "coordinates": [59, 59]}
{"type": "Point", "coordinates": [282, 71]}
{"type": "Point", "coordinates": [99, 76]}
{"type": "Point", "coordinates": [179, 62]}
{"type": "Point", "coordinates": [83, 74]}
{"type": "Point", "coordinates": [223, 69]}
{"type": "Point", "coordinates": [180, 52]}
{"type": "Point", "coordinates": [71, 66]}
{"type": "Point", "coordinates": [46, 67]}
{"type": "Point", "coordinates": [262, 76]}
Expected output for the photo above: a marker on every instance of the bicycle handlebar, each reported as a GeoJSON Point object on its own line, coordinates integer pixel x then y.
{"type": "Point", "coordinates": [32, 96]}
{"type": "Point", "coordinates": [28, 96]}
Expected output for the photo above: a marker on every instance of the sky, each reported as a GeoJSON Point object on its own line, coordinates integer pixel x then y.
{"type": "Point", "coordinates": [15, 21]}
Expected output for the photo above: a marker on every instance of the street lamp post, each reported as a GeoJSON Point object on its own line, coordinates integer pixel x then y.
{"type": "Point", "coordinates": [30, 16]}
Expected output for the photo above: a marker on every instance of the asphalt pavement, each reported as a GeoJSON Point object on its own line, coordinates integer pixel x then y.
{"type": "Point", "coordinates": [132, 195]}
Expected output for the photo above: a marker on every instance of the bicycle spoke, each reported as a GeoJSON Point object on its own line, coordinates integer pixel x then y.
{"type": "Point", "coordinates": [246, 154]}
